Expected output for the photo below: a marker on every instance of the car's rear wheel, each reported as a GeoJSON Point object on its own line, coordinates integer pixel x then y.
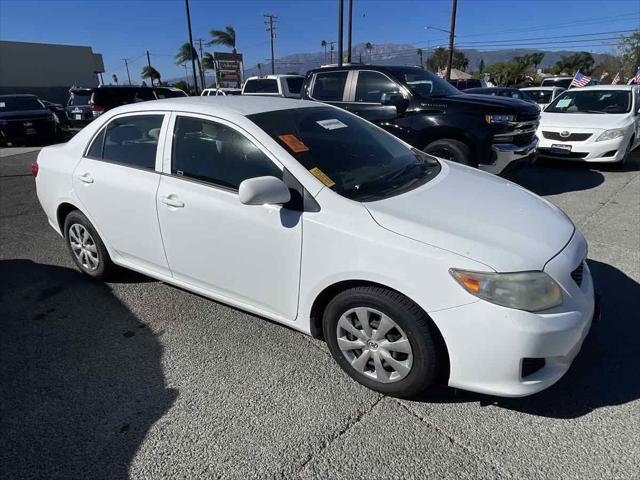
{"type": "Point", "coordinates": [450, 149]}
{"type": "Point", "coordinates": [86, 247]}
{"type": "Point", "coordinates": [383, 340]}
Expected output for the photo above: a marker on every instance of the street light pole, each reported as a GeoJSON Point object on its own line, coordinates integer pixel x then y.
{"type": "Point", "coordinates": [340, 33]}
{"type": "Point", "coordinates": [452, 34]}
{"type": "Point", "coordinates": [349, 22]}
{"type": "Point", "coordinates": [193, 57]}
{"type": "Point", "coordinates": [126, 65]}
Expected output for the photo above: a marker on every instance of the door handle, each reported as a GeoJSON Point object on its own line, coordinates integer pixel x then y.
{"type": "Point", "coordinates": [172, 202]}
{"type": "Point", "coordinates": [86, 178]}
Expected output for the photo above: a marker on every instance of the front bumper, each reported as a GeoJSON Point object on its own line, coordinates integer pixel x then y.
{"type": "Point", "coordinates": [587, 151]}
{"type": "Point", "coordinates": [489, 345]}
{"type": "Point", "coordinates": [505, 155]}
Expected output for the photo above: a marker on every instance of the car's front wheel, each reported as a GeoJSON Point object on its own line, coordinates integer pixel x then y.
{"type": "Point", "coordinates": [450, 149]}
{"type": "Point", "coordinates": [86, 247]}
{"type": "Point", "coordinates": [383, 340]}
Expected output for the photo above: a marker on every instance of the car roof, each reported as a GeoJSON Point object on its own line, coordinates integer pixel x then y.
{"type": "Point", "coordinates": [362, 66]}
{"type": "Point", "coordinates": [608, 87]}
{"type": "Point", "coordinates": [224, 105]}
{"type": "Point", "coordinates": [274, 76]}
{"type": "Point", "coordinates": [14, 95]}
{"type": "Point", "coordinates": [548, 89]}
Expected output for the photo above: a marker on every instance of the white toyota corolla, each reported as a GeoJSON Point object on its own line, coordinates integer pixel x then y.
{"type": "Point", "coordinates": [413, 269]}
{"type": "Point", "coordinates": [591, 124]}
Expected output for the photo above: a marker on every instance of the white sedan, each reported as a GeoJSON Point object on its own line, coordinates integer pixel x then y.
{"type": "Point", "coordinates": [591, 124]}
{"type": "Point", "coordinates": [413, 269]}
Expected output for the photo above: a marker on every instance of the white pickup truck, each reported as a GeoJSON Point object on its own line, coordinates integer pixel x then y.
{"type": "Point", "coordinates": [274, 85]}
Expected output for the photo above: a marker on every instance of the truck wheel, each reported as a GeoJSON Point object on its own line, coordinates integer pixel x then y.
{"type": "Point", "coordinates": [450, 149]}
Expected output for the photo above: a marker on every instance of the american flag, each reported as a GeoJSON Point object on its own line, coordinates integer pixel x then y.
{"type": "Point", "coordinates": [440, 73]}
{"type": "Point", "coordinates": [580, 80]}
{"type": "Point", "coordinates": [616, 79]}
{"type": "Point", "coordinates": [637, 77]}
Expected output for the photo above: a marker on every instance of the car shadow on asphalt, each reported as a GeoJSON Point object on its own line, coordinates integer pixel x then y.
{"type": "Point", "coordinates": [81, 380]}
{"type": "Point", "coordinates": [604, 373]}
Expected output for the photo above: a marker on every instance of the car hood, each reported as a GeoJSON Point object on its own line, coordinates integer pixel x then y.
{"type": "Point", "coordinates": [24, 114]}
{"type": "Point", "coordinates": [596, 121]}
{"type": "Point", "coordinates": [479, 216]}
{"type": "Point", "coordinates": [495, 103]}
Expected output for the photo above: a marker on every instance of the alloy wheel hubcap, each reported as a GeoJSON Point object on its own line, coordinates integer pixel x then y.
{"type": "Point", "coordinates": [374, 345]}
{"type": "Point", "coordinates": [84, 247]}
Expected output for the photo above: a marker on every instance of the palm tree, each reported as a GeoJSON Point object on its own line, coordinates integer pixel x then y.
{"type": "Point", "coordinates": [207, 63]}
{"type": "Point", "coordinates": [185, 54]}
{"type": "Point", "coordinates": [151, 73]}
{"type": "Point", "coordinates": [369, 47]}
{"type": "Point", "coordinates": [226, 37]}
{"type": "Point", "coordinates": [420, 52]}
{"type": "Point", "coordinates": [323, 44]}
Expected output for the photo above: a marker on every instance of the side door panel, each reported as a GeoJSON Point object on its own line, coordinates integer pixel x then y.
{"type": "Point", "coordinates": [246, 253]}
{"type": "Point", "coordinates": [121, 201]}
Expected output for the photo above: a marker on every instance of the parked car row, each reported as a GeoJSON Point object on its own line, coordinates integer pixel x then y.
{"type": "Point", "coordinates": [24, 119]}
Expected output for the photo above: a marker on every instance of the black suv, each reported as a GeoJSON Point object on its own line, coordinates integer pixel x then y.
{"type": "Point", "coordinates": [490, 133]}
{"type": "Point", "coordinates": [87, 103]}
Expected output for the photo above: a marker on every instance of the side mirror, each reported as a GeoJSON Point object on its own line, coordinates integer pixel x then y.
{"type": "Point", "coordinates": [394, 99]}
{"type": "Point", "coordinates": [263, 191]}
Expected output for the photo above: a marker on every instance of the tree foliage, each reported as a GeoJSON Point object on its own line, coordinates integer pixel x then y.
{"type": "Point", "coordinates": [226, 37]}
{"type": "Point", "coordinates": [185, 54]}
{"type": "Point", "coordinates": [516, 71]}
{"type": "Point", "coordinates": [149, 72]}
{"type": "Point", "coordinates": [570, 64]}
{"type": "Point", "coordinates": [629, 48]}
{"type": "Point", "coordinates": [439, 58]}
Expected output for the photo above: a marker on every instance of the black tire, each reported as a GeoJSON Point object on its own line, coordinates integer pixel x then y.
{"type": "Point", "coordinates": [105, 267]}
{"type": "Point", "coordinates": [450, 149]}
{"type": "Point", "coordinates": [418, 328]}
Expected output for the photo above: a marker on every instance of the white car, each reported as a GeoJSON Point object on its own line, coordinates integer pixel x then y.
{"type": "Point", "coordinates": [288, 86]}
{"type": "Point", "coordinates": [543, 96]}
{"type": "Point", "coordinates": [312, 217]}
{"type": "Point", "coordinates": [591, 124]}
{"type": "Point", "coordinates": [220, 92]}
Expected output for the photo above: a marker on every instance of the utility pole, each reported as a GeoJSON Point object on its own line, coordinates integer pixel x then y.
{"type": "Point", "coordinates": [193, 58]}
{"type": "Point", "coordinates": [202, 79]}
{"type": "Point", "coordinates": [340, 33]}
{"type": "Point", "coordinates": [349, 22]}
{"type": "Point", "coordinates": [331, 44]}
{"type": "Point", "coordinates": [272, 33]}
{"type": "Point", "coordinates": [149, 64]}
{"type": "Point", "coordinates": [452, 36]}
{"type": "Point", "coordinates": [126, 65]}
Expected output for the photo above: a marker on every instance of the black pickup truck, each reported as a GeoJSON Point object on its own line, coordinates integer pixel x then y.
{"type": "Point", "coordinates": [490, 133]}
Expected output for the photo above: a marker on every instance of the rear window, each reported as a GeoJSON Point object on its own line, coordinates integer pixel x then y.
{"type": "Point", "coordinates": [329, 86]}
{"type": "Point", "coordinates": [552, 82]}
{"type": "Point", "coordinates": [294, 84]}
{"type": "Point", "coordinates": [167, 93]}
{"type": "Point", "coordinates": [11, 104]}
{"type": "Point", "coordinates": [77, 100]}
{"type": "Point", "coordinates": [261, 85]}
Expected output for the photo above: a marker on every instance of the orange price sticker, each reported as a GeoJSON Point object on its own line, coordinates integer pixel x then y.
{"type": "Point", "coordinates": [294, 144]}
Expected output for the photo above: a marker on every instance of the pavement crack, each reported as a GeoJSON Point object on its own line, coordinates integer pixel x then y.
{"type": "Point", "coordinates": [589, 217]}
{"type": "Point", "coordinates": [455, 441]}
{"type": "Point", "coordinates": [336, 435]}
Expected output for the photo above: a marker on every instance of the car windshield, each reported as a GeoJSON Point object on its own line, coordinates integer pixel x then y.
{"type": "Point", "coordinates": [592, 101]}
{"type": "Point", "coordinates": [261, 85]}
{"type": "Point", "coordinates": [352, 157]}
{"type": "Point", "coordinates": [15, 104]}
{"type": "Point", "coordinates": [559, 82]}
{"type": "Point", "coordinates": [540, 96]}
{"type": "Point", "coordinates": [424, 83]}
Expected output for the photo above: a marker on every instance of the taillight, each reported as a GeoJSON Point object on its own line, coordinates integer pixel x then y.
{"type": "Point", "coordinates": [97, 110]}
{"type": "Point", "coordinates": [34, 169]}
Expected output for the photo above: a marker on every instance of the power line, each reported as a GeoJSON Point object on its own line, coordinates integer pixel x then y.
{"type": "Point", "coordinates": [550, 38]}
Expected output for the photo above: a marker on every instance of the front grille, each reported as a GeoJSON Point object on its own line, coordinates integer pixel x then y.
{"type": "Point", "coordinates": [532, 117]}
{"type": "Point", "coordinates": [572, 137]}
{"type": "Point", "coordinates": [577, 274]}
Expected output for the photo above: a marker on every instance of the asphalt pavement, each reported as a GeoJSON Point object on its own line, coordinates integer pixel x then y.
{"type": "Point", "coordinates": [138, 379]}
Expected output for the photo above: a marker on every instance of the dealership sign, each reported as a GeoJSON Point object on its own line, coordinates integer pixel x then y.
{"type": "Point", "coordinates": [228, 69]}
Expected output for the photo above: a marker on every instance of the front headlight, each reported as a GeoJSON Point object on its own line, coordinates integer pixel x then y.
{"type": "Point", "coordinates": [611, 134]}
{"type": "Point", "coordinates": [499, 118]}
{"type": "Point", "coordinates": [530, 291]}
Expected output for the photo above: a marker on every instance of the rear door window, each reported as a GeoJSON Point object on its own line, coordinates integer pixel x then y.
{"type": "Point", "coordinates": [133, 140]}
{"type": "Point", "coordinates": [329, 86]}
{"type": "Point", "coordinates": [261, 85]}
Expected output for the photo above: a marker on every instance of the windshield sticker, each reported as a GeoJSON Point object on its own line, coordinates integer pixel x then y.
{"type": "Point", "coordinates": [331, 124]}
{"type": "Point", "coordinates": [320, 175]}
{"type": "Point", "coordinates": [294, 144]}
{"type": "Point", "coordinates": [2, 104]}
{"type": "Point", "coordinates": [563, 103]}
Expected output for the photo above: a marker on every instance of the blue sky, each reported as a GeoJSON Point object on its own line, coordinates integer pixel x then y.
{"type": "Point", "coordinates": [127, 28]}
